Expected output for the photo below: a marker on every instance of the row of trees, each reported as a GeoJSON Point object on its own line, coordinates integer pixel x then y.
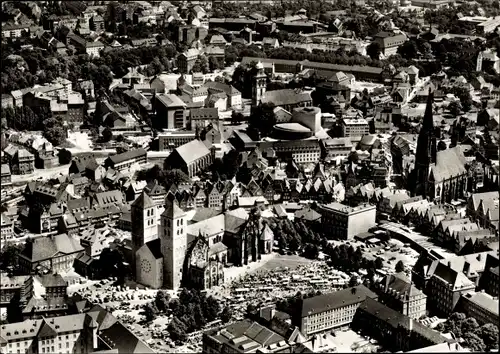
{"type": "Point", "coordinates": [350, 259]}
{"type": "Point", "coordinates": [41, 119]}
{"type": "Point", "coordinates": [191, 312]}
{"type": "Point", "coordinates": [477, 338]}
{"type": "Point", "coordinates": [165, 177]}
{"type": "Point", "coordinates": [39, 66]}
{"type": "Point", "coordinates": [297, 236]}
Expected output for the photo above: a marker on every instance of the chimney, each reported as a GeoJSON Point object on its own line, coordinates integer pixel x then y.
{"type": "Point", "coordinates": [479, 257]}
{"type": "Point", "coordinates": [449, 264]}
{"type": "Point", "coordinates": [466, 267]}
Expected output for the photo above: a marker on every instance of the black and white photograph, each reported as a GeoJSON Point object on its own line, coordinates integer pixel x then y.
{"type": "Point", "coordinates": [249, 176]}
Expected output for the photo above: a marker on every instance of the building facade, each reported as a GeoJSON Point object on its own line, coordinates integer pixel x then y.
{"type": "Point", "coordinates": [328, 311]}
{"type": "Point", "coordinates": [344, 222]}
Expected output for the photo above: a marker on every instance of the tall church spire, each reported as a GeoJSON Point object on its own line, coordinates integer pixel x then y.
{"type": "Point", "coordinates": [426, 150]}
{"type": "Point", "coordinates": [426, 144]}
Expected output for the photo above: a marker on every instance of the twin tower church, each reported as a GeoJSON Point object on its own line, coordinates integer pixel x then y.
{"type": "Point", "coordinates": [169, 250]}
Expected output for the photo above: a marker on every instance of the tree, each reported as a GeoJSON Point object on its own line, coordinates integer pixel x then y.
{"type": "Point", "coordinates": [251, 308]}
{"type": "Point", "coordinates": [400, 266]}
{"type": "Point", "coordinates": [379, 263]}
{"type": "Point", "coordinates": [9, 256]}
{"type": "Point", "coordinates": [469, 325]}
{"type": "Point", "coordinates": [237, 117]}
{"type": "Point", "coordinates": [65, 156]}
{"type": "Point", "coordinates": [489, 334]}
{"type": "Point", "coordinates": [150, 312]}
{"type": "Point", "coordinates": [211, 308]}
{"type": "Point", "coordinates": [373, 50]}
{"type": "Point", "coordinates": [177, 330]}
{"type": "Point", "coordinates": [408, 50]}
{"type": "Point", "coordinates": [353, 281]}
{"type": "Point", "coordinates": [473, 342]}
{"type": "Point", "coordinates": [107, 135]}
{"type": "Point", "coordinates": [14, 309]}
{"type": "Point", "coordinates": [263, 119]}
{"type": "Point", "coordinates": [311, 251]}
{"type": "Point", "coordinates": [120, 138]}
{"type": "Point", "coordinates": [226, 314]}
{"type": "Point", "coordinates": [162, 300]}
{"type": "Point", "coordinates": [455, 108]}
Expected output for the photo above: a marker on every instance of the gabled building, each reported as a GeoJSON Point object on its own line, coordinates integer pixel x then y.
{"type": "Point", "coordinates": [191, 158]}
{"type": "Point", "coordinates": [49, 254]}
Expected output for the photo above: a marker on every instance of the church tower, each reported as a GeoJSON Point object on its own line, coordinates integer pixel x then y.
{"type": "Point", "coordinates": [144, 224]}
{"type": "Point", "coordinates": [426, 151]}
{"type": "Point", "coordinates": [259, 84]}
{"type": "Point", "coordinates": [173, 237]}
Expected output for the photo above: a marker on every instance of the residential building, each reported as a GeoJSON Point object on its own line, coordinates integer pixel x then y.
{"type": "Point", "coordinates": [445, 287]}
{"type": "Point", "coordinates": [301, 151]}
{"type": "Point", "coordinates": [325, 312]}
{"type": "Point", "coordinates": [186, 60]}
{"type": "Point", "coordinates": [50, 253]}
{"type": "Point", "coordinates": [389, 42]}
{"type": "Point", "coordinates": [392, 329]}
{"type": "Point", "coordinates": [6, 227]}
{"type": "Point", "coordinates": [94, 241]}
{"type": "Point", "coordinates": [233, 95]}
{"type": "Point", "coordinates": [202, 117]}
{"type": "Point", "coordinates": [336, 148]}
{"type": "Point", "coordinates": [481, 306]}
{"type": "Point", "coordinates": [171, 140]}
{"type": "Point", "coordinates": [170, 111]}
{"type": "Point", "coordinates": [489, 280]}
{"type": "Point", "coordinates": [124, 161]}
{"type": "Point", "coordinates": [93, 331]}
{"type": "Point", "coordinates": [483, 209]}
{"type": "Point", "coordinates": [345, 222]}
{"type": "Point", "coordinates": [244, 336]}
{"type": "Point", "coordinates": [398, 293]}
{"type": "Point", "coordinates": [5, 175]}
{"type": "Point", "coordinates": [18, 285]}
{"type": "Point", "coordinates": [84, 47]}
{"type": "Point", "coordinates": [355, 127]}
{"type": "Point", "coordinates": [14, 30]}
{"type": "Point", "coordinates": [20, 160]}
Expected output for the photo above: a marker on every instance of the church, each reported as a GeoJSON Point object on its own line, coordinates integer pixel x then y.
{"type": "Point", "coordinates": [173, 251]}
{"type": "Point", "coordinates": [439, 176]}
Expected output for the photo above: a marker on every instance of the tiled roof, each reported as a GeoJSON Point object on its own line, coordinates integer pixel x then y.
{"type": "Point", "coordinates": [170, 101]}
{"type": "Point", "coordinates": [155, 248]}
{"type": "Point", "coordinates": [221, 87]}
{"type": "Point", "coordinates": [337, 299]}
{"type": "Point", "coordinates": [285, 97]}
{"type": "Point", "coordinates": [128, 155]}
{"type": "Point", "coordinates": [120, 337]}
{"type": "Point", "coordinates": [143, 201]}
{"type": "Point", "coordinates": [396, 319]}
{"type": "Point", "coordinates": [449, 163]}
{"type": "Point", "coordinates": [401, 284]}
{"type": "Point", "coordinates": [192, 151]}
{"type": "Point", "coordinates": [208, 227]}
{"type": "Point", "coordinates": [247, 334]}
{"type": "Point", "coordinates": [52, 280]}
{"type": "Point", "coordinates": [173, 210]}
{"type": "Point", "coordinates": [109, 197]}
